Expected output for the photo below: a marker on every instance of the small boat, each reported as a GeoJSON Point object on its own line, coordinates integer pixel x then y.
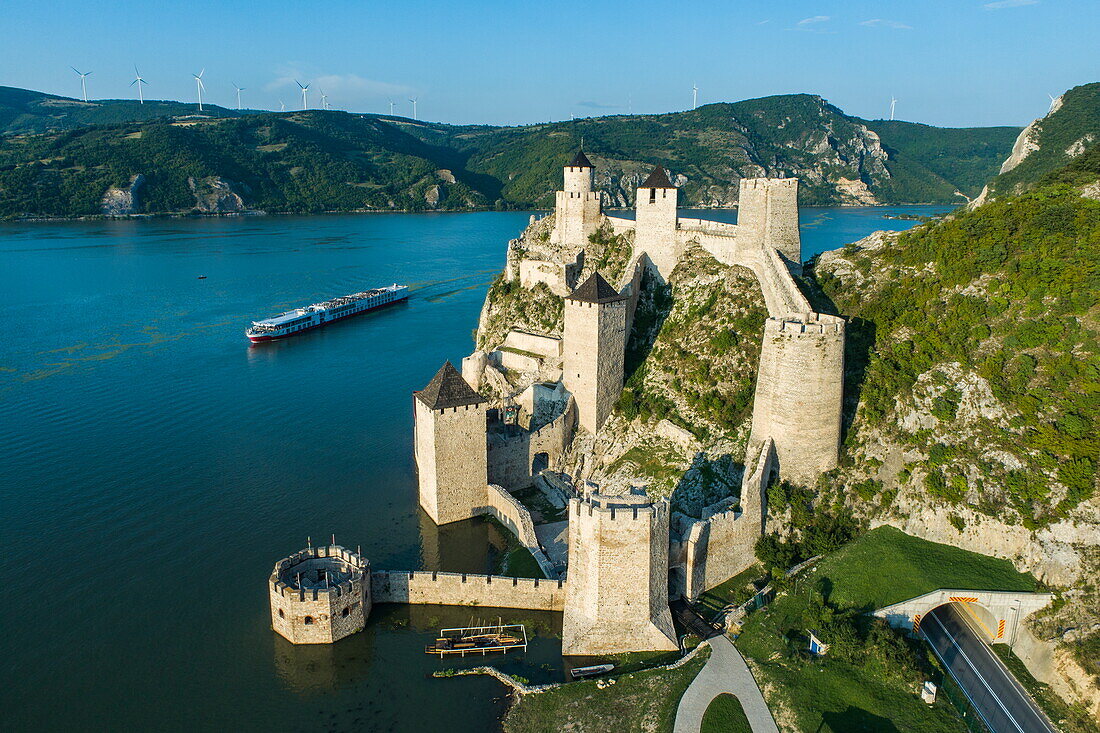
{"type": "Point", "coordinates": [202, 277]}
{"type": "Point", "coordinates": [582, 672]}
{"type": "Point", "coordinates": [478, 639]}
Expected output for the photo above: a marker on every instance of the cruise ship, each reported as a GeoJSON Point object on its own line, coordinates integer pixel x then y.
{"type": "Point", "coordinates": [319, 314]}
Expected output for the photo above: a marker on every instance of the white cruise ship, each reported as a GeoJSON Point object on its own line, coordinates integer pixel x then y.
{"type": "Point", "coordinates": [319, 314]}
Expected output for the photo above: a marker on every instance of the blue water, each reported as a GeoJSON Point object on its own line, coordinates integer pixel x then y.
{"type": "Point", "coordinates": [154, 466]}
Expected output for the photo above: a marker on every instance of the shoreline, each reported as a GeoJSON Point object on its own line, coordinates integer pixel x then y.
{"type": "Point", "coordinates": [471, 210]}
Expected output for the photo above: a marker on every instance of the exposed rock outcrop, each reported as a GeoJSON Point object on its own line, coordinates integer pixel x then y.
{"type": "Point", "coordinates": [118, 201]}
{"type": "Point", "coordinates": [217, 195]}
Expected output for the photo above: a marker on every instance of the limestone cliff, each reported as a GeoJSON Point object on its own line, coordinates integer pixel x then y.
{"type": "Point", "coordinates": [123, 201]}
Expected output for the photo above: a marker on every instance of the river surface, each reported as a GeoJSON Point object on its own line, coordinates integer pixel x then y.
{"type": "Point", "coordinates": [154, 466]}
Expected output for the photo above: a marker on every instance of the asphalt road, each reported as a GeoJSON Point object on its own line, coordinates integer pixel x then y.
{"type": "Point", "coordinates": [992, 689]}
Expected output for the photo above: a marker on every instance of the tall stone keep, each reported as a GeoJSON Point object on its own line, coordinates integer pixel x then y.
{"type": "Point", "coordinates": [767, 214]}
{"type": "Point", "coordinates": [655, 222]}
{"type": "Point", "coordinates": [800, 393]}
{"type": "Point", "coordinates": [449, 424]}
{"type": "Point", "coordinates": [593, 349]}
{"type": "Point", "coordinates": [616, 596]}
{"type": "Point", "coordinates": [577, 208]}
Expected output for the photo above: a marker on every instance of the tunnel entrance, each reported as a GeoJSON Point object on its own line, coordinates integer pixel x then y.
{"type": "Point", "coordinates": [980, 618]}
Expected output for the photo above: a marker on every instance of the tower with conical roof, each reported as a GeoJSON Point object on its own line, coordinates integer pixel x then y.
{"type": "Point", "coordinates": [593, 349]}
{"type": "Point", "coordinates": [450, 448]}
{"type": "Point", "coordinates": [577, 207]}
{"type": "Point", "coordinates": [655, 222]}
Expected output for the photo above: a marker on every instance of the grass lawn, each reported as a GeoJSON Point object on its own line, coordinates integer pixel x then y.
{"type": "Point", "coordinates": [881, 567]}
{"type": "Point", "coordinates": [1068, 719]}
{"type": "Point", "coordinates": [725, 715]}
{"type": "Point", "coordinates": [886, 565]}
{"type": "Point", "coordinates": [642, 702]}
{"type": "Point", "coordinates": [736, 590]}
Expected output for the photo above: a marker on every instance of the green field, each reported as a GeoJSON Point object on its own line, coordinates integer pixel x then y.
{"type": "Point", "coordinates": [725, 715]}
{"type": "Point", "coordinates": [869, 678]}
{"type": "Point", "coordinates": [886, 565]}
{"type": "Point", "coordinates": [642, 701]}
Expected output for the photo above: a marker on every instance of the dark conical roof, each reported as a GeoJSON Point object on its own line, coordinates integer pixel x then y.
{"type": "Point", "coordinates": [596, 290]}
{"type": "Point", "coordinates": [657, 179]}
{"type": "Point", "coordinates": [448, 389]}
{"type": "Point", "coordinates": [580, 160]}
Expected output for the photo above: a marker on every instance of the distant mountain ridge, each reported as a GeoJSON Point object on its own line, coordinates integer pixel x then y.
{"type": "Point", "coordinates": [62, 157]}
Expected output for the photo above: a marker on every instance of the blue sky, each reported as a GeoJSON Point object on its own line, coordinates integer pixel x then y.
{"type": "Point", "coordinates": [948, 62]}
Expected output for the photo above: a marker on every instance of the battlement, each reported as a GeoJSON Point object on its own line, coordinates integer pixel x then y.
{"type": "Point", "coordinates": [629, 507]}
{"type": "Point", "coordinates": [582, 195]}
{"type": "Point", "coordinates": [818, 324]}
{"type": "Point", "coordinates": [345, 566]}
{"type": "Point", "coordinates": [466, 589]}
{"type": "Point", "coordinates": [757, 184]}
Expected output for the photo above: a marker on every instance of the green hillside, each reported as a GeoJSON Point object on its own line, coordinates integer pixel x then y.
{"type": "Point", "coordinates": [58, 156]}
{"type": "Point", "coordinates": [1059, 138]}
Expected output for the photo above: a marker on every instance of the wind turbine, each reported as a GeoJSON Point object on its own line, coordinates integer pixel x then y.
{"type": "Point", "coordinates": [304, 89]}
{"type": "Point", "coordinates": [413, 100]}
{"type": "Point", "coordinates": [893, 101]}
{"type": "Point", "coordinates": [694, 96]}
{"type": "Point", "coordinates": [83, 84]}
{"type": "Point", "coordinates": [1053, 101]}
{"type": "Point", "coordinates": [324, 98]}
{"type": "Point", "coordinates": [199, 86]}
{"type": "Point", "coordinates": [282, 106]}
{"type": "Point", "coordinates": [391, 108]}
{"type": "Point", "coordinates": [239, 90]}
{"type": "Point", "coordinates": [139, 81]}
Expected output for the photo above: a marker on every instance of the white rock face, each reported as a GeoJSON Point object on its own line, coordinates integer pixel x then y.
{"type": "Point", "coordinates": [122, 201]}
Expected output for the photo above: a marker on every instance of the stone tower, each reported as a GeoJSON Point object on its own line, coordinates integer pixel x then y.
{"type": "Point", "coordinates": [800, 393]}
{"type": "Point", "coordinates": [655, 222]}
{"type": "Point", "coordinates": [616, 597]}
{"type": "Point", "coordinates": [594, 347]}
{"type": "Point", "coordinates": [319, 595]}
{"type": "Point", "coordinates": [449, 425]}
{"type": "Point", "coordinates": [577, 208]}
{"type": "Point", "coordinates": [767, 214]}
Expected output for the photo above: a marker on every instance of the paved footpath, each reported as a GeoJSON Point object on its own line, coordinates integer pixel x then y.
{"type": "Point", "coordinates": [725, 671]}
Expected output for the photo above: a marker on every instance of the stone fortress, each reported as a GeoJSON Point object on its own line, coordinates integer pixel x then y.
{"type": "Point", "coordinates": [625, 557]}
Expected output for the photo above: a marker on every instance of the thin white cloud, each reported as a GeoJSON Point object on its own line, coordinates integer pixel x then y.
{"type": "Point", "coordinates": [764, 22]}
{"type": "Point", "coordinates": [351, 87]}
{"type": "Point", "coordinates": [884, 23]}
{"type": "Point", "coordinates": [812, 24]}
{"type": "Point", "coordinates": [1002, 4]}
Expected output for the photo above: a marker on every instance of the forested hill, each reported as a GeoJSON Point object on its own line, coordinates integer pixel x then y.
{"type": "Point", "coordinates": [317, 161]}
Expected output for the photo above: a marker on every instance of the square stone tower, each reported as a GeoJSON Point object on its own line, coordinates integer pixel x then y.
{"type": "Point", "coordinates": [616, 597]}
{"type": "Point", "coordinates": [767, 215]}
{"type": "Point", "coordinates": [655, 222]}
{"type": "Point", "coordinates": [450, 446]}
{"type": "Point", "coordinates": [577, 208]}
{"type": "Point", "coordinates": [593, 349]}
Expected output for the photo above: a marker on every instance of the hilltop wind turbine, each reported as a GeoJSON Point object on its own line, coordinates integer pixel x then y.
{"type": "Point", "coordinates": [239, 90]}
{"type": "Point", "coordinates": [694, 96]}
{"type": "Point", "coordinates": [324, 98]}
{"type": "Point", "coordinates": [199, 86]}
{"type": "Point", "coordinates": [413, 100]}
{"type": "Point", "coordinates": [1053, 101]}
{"type": "Point", "coordinates": [304, 90]}
{"type": "Point", "coordinates": [282, 106]}
{"type": "Point", "coordinates": [893, 101]}
{"type": "Point", "coordinates": [139, 81]}
{"type": "Point", "coordinates": [391, 108]}
{"type": "Point", "coordinates": [83, 84]}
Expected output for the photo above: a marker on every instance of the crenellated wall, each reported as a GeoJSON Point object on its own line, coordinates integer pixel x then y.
{"type": "Point", "coordinates": [466, 589]}
{"type": "Point", "coordinates": [512, 450]}
{"type": "Point", "coordinates": [507, 510]}
{"type": "Point", "coordinates": [325, 614]}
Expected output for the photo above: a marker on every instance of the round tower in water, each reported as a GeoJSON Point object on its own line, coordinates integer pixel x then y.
{"type": "Point", "coordinates": [320, 595]}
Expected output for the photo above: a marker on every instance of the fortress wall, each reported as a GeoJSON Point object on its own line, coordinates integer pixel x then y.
{"type": "Point", "coordinates": [723, 545]}
{"type": "Point", "coordinates": [473, 368]}
{"type": "Point", "coordinates": [536, 343]}
{"type": "Point", "coordinates": [463, 589]}
{"type": "Point", "coordinates": [511, 457]}
{"type": "Point", "coordinates": [508, 511]}
{"type": "Point", "coordinates": [799, 391]}
{"type": "Point", "coordinates": [707, 225]}
{"type": "Point", "coordinates": [577, 215]}
{"type": "Point", "coordinates": [560, 278]}
{"type": "Point", "coordinates": [781, 293]}
{"type": "Point", "coordinates": [519, 362]}
{"type": "Point", "coordinates": [619, 225]}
